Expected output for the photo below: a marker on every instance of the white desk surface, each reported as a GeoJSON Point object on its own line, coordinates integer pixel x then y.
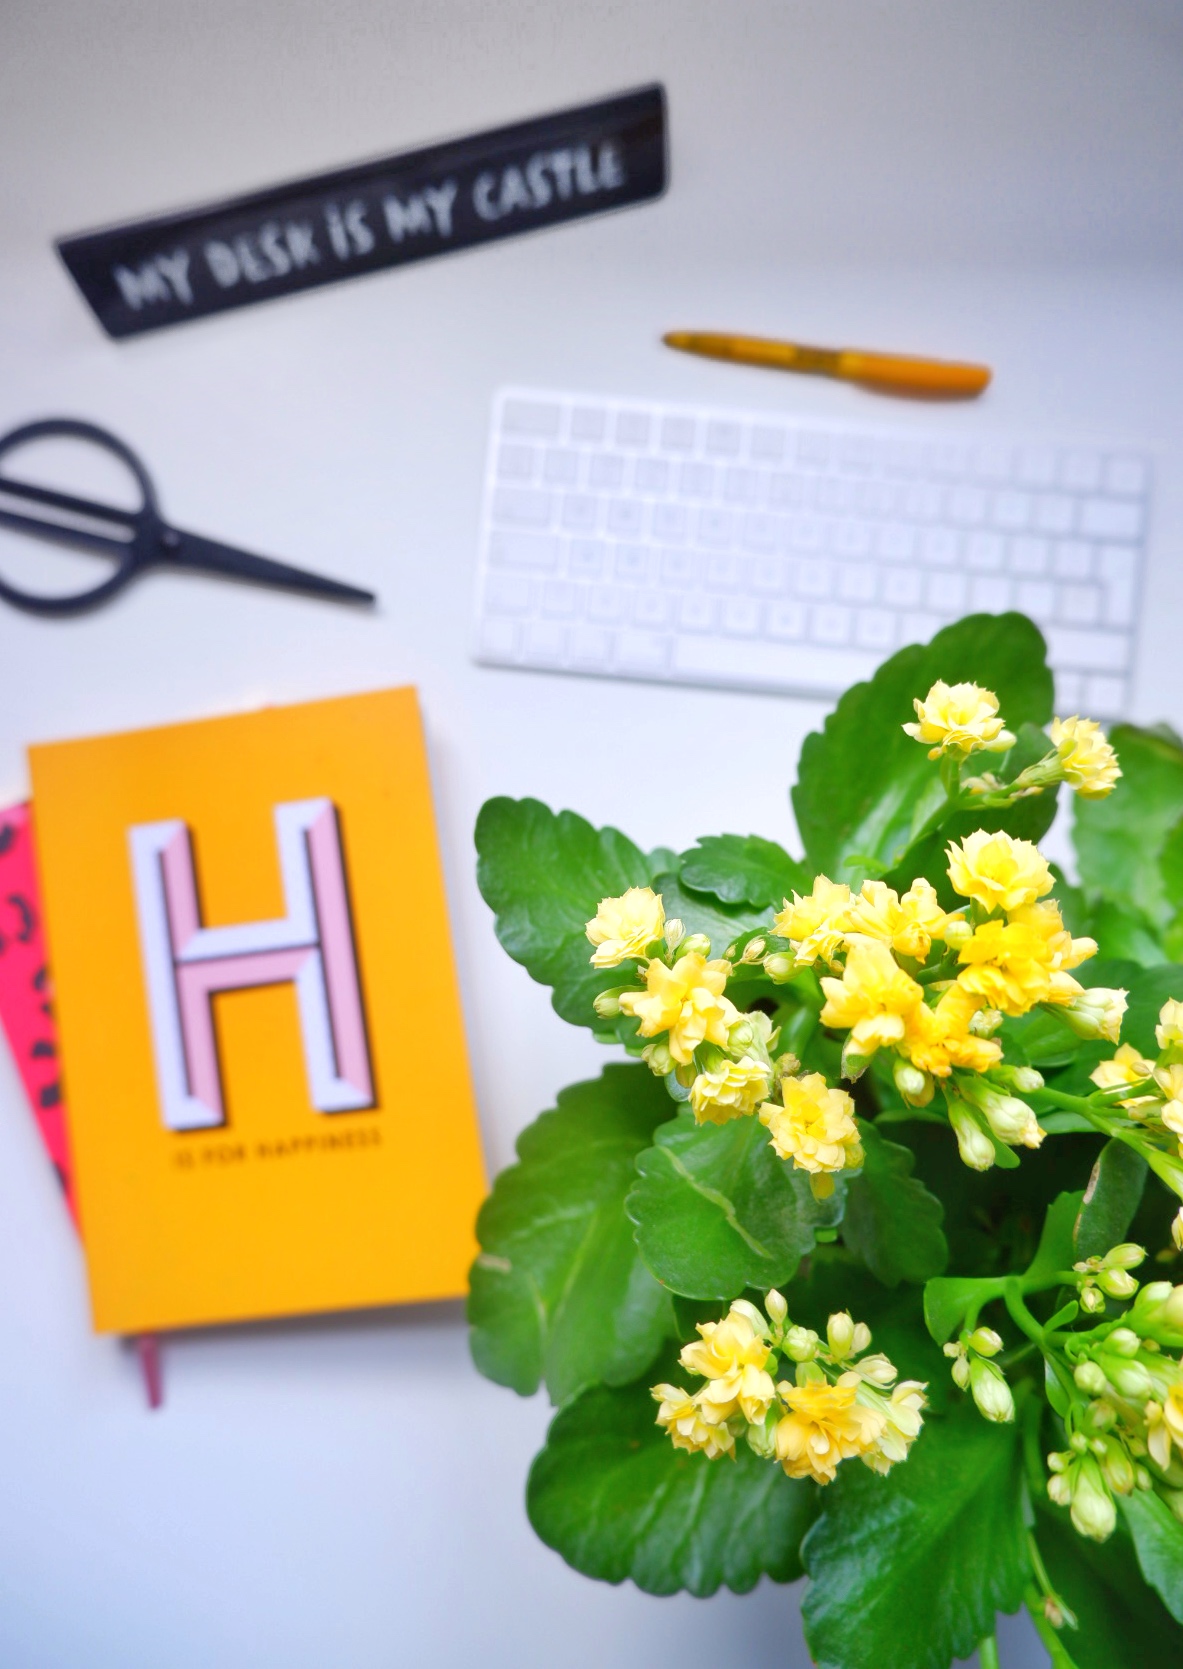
{"type": "Point", "coordinates": [994, 182]}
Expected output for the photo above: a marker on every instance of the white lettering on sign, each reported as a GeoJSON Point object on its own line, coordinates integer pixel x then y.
{"type": "Point", "coordinates": [349, 231]}
{"type": "Point", "coordinates": [273, 252]}
{"type": "Point", "coordinates": [423, 211]}
{"type": "Point", "coordinates": [160, 279]}
{"type": "Point", "coordinates": [567, 173]}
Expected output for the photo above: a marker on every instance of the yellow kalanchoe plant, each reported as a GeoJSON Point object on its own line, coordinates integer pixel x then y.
{"type": "Point", "coordinates": [834, 1069]}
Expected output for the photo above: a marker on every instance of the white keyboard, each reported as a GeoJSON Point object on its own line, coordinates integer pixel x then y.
{"type": "Point", "coordinates": [746, 550]}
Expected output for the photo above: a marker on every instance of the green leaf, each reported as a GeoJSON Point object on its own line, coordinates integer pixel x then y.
{"type": "Point", "coordinates": [1119, 839]}
{"type": "Point", "coordinates": [1158, 1541]}
{"type": "Point", "coordinates": [716, 1211]}
{"type": "Point", "coordinates": [743, 869]}
{"type": "Point", "coordinates": [909, 1570]}
{"type": "Point", "coordinates": [892, 1221]}
{"type": "Point", "coordinates": [862, 783]}
{"type": "Point", "coordinates": [612, 1495]}
{"type": "Point", "coordinates": [559, 1290]}
{"type": "Point", "coordinates": [950, 1299]}
{"type": "Point", "coordinates": [1149, 990]}
{"type": "Point", "coordinates": [700, 913]}
{"type": "Point", "coordinates": [1123, 932]}
{"type": "Point", "coordinates": [1112, 1197]}
{"type": "Point", "coordinates": [543, 874]}
{"type": "Point", "coordinates": [1123, 1624]}
{"type": "Point", "coordinates": [1056, 1251]}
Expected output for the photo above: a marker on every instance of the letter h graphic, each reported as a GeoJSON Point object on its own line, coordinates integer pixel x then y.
{"type": "Point", "coordinates": [312, 947]}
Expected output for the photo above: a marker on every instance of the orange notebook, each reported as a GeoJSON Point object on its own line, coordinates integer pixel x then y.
{"type": "Point", "coordinates": [268, 1096]}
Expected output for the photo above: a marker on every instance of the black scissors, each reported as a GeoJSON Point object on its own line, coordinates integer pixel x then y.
{"type": "Point", "coordinates": [138, 539]}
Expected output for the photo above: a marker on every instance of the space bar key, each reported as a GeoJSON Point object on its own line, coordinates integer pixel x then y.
{"type": "Point", "coordinates": [771, 665]}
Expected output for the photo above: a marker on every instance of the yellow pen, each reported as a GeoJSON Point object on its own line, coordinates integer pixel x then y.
{"type": "Point", "coordinates": [899, 372]}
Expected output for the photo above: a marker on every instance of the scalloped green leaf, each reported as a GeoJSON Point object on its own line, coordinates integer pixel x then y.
{"type": "Point", "coordinates": [1158, 1542]}
{"type": "Point", "coordinates": [559, 1291]}
{"type": "Point", "coordinates": [909, 1570]}
{"type": "Point", "coordinates": [716, 1211]}
{"type": "Point", "coordinates": [743, 869]}
{"type": "Point", "coordinates": [1056, 1251]}
{"type": "Point", "coordinates": [612, 1495]}
{"type": "Point", "coordinates": [1122, 1622]}
{"type": "Point", "coordinates": [1119, 840]}
{"type": "Point", "coordinates": [864, 787]}
{"type": "Point", "coordinates": [543, 874]}
{"type": "Point", "coordinates": [1111, 1199]}
{"type": "Point", "coordinates": [892, 1221]}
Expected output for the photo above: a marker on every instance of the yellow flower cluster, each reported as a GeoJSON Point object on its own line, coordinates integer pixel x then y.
{"type": "Point", "coordinates": [836, 1407]}
{"type": "Point", "coordinates": [959, 719]}
{"type": "Point", "coordinates": [1156, 1086]}
{"type": "Point", "coordinates": [1086, 757]}
{"type": "Point", "coordinates": [625, 927]}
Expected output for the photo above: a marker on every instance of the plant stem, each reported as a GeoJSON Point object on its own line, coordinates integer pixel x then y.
{"type": "Point", "coordinates": [988, 1652]}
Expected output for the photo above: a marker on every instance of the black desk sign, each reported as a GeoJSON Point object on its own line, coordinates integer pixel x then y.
{"type": "Point", "coordinates": [380, 214]}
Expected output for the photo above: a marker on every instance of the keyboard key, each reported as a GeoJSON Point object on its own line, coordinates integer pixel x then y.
{"type": "Point", "coordinates": [968, 506]}
{"type": "Point", "coordinates": [1072, 560]}
{"type": "Point", "coordinates": [524, 550]}
{"type": "Point", "coordinates": [605, 472]}
{"type": "Point", "coordinates": [768, 575]}
{"type": "Point", "coordinates": [723, 573]}
{"type": "Point", "coordinates": [1105, 697]}
{"type": "Point", "coordinates": [805, 533]}
{"type": "Point", "coordinates": [767, 445]}
{"type": "Point", "coordinates": [1038, 599]}
{"type": "Point", "coordinates": [989, 594]}
{"type": "Point", "coordinates": [1088, 651]}
{"type": "Point", "coordinates": [696, 481]}
{"type": "Point", "coordinates": [605, 603]}
{"type": "Point", "coordinates": [918, 627]}
{"type": "Point", "coordinates": [509, 594]}
{"type": "Point", "coordinates": [740, 616]}
{"type": "Point", "coordinates": [632, 428]}
{"type": "Point", "coordinates": [742, 486]}
{"type": "Point", "coordinates": [856, 454]}
{"type": "Point", "coordinates": [786, 492]}
{"type": "Point", "coordinates": [515, 463]}
{"type": "Point", "coordinates": [677, 434]}
{"type": "Point", "coordinates": [678, 568]}
{"type": "Point", "coordinates": [813, 450]}
{"type": "Point", "coordinates": [531, 417]}
{"type": "Point", "coordinates": [834, 494]}
{"type": "Point", "coordinates": [696, 613]}
{"type": "Point", "coordinates": [581, 512]}
{"type": "Point", "coordinates": [1029, 556]}
{"type": "Point", "coordinates": [1080, 605]}
{"type": "Point", "coordinates": [832, 623]}
{"type": "Point", "coordinates": [559, 599]}
{"type": "Point", "coordinates": [543, 643]}
{"type": "Point", "coordinates": [858, 582]}
{"type": "Point", "coordinates": [897, 542]}
{"type": "Point", "coordinates": [560, 467]}
{"type": "Point", "coordinates": [1117, 567]}
{"type": "Point", "coordinates": [991, 463]}
{"type": "Point", "coordinates": [652, 608]}
{"type": "Point", "coordinates": [651, 475]}
{"type": "Point", "coordinates": [499, 640]}
{"type": "Point", "coordinates": [1126, 476]}
{"type": "Point", "coordinates": [1110, 518]}
{"type": "Point", "coordinates": [985, 553]}
{"type": "Point", "coordinates": [813, 579]}
{"type": "Point", "coordinates": [1035, 466]}
{"type": "Point", "coordinates": [670, 523]}
{"type": "Point", "coordinates": [853, 538]}
{"type": "Point", "coordinates": [785, 621]}
{"type": "Point", "coordinates": [632, 564]}
{"type": "Point", "coordinates": [642, 651]}
{"type": "Point", "coordinates": [1069, 692]}
{"type": "Point", "coordinates": [1054, 513]}
{"type": "Point", "coordinates": [626, 517]}
{"type": "Point", "coordinates": [946, 593]}
{"type": "Point", "coordinates": [763, 665]}
{"type": "Point", "coordinates": [761, 533]}
{"type": "Point", "coordinates": [589, 647]}
{"type": "Point", "coordinates": [874, 628]}
{"type": "Point", "coordinates": [522, 507]}
{"type": "Point", "coordinates": [723, 439]}
{"type": "Point", "coordinates": [1081, 471]}
{"type": "Point", "coordinates": [714, 528]}
{"type": "Point", "coordinates": [940, 547]}
{"type": "Point", "coordinates": [1011, 510]}
{"type": "Point", "coordinates": [902, 586]}
{"type": "Point", "coordinates": [585, 559]}
{"type": "Point", "coordinates": [589, 423]}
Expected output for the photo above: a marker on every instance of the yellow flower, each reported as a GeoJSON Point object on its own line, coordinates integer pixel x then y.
{"type": "Point", "coordinates": [1169, 1030]}
{"type": "Point", "coordinates": [998, 872]}
{"type": "Point", "coordinates": [938, 1039]}
{"type": "Point", "coordinates": [1126, 1067]}
{"type": "Point", "coordinates": [959, 718]}
{"type": "Point", "coordinates": [908, 924]}
{"type": "Point", "coordinates": [625, 926]}
{"type": "Point", "coordinates": [815, 1128]}
{"type": "Point", "coordinates": [1087, 759]}
{"type": "Point", "coordinates": [1165, 1425]}
{"type": "Point", "coordinates": [903, 1418]}
{"type": "Point", "coordinates": [687, 1001]}
{"type": "Point", "coordinates": [815, 925]}
{"type": "Point", "coordinates": [681, 1416]}
{"type": "Point", "coordinates": [733, 1090]}
{"type": "Point", "coordinates": [872, 999]}
{"type": "Point", "coordinates": [732, 1355]}
{"type": "Point", "coordinates": [1170, 1083]}
{"type": "Point", "coordinates": [823, 1426]}
{"type": "Point", "coordinates": [1023, 961]}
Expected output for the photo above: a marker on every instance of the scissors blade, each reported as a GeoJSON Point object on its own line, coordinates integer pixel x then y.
{"type": "Point", "coordinates": [60, 533]}
{"type": "Point", "coordinates": [85, 507]}
{"type": "Point", "coordinates": [190, 550]}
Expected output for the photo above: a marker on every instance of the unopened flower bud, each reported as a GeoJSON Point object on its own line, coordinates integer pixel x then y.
{"type": "Point", "coordinates": [1172, 1309]}
{"type": "Point", "coordinates": [1124, 1341]}
{"type": "Point", "coordinates": [1079, 1443]}
{"type": "Point", "coordinates": [1096, 1013]}
{"type": "Point", "coordinates": [914, 1085]}
{"type": "Point", "coordinates": [1091, 1301]}
{"type": "Point", "coordinates": [1057, 1613]}
{"type": "Point", "coordinates": [1090, 1378]}
{"type": "Point", "coordinates": [862, 1337]}
{"type": "Point", "coordinates": [754, 950]}
{"type": "Point", "coordinates": [961, 1373]}
{"type": "Point", "coordinates": [985, 1341]}
{"type": "Point", "coordinates": [675, 932]}
{"type": "Point", "coordinates": [957, 932]}
{"type": "Point", "coordinates": [741, 1036]}
{"type": "Point", "coordinates": [1118, 1468]}
{"type": "Point", "coordinates": [1093, 1511]}
{"type": "Point", "coordinates": [991, 1391]}
{"type": "Point", "coordinates": [985, 1022]}
{"type": "Point", "coordinates": [1177, 1229]}
{"type": "Point", "coordinates": [973, 1144]}
{"type": "Point", "coordinates": [840, 1334]}
{"type": "Point", "coordinates": [1117, 1283]}
{"type": "Point", "coordinates": [658, 1059]}
{"type": "Point", "coordinates": [1129, 1379]}
{"type": "Point", "coordinates": [854, 1064]}
{"type": "Point", "coordinates": [780, 966]}
{"type": "Point", "coordinates": [1125, 1256]}
{"type": "Point", "coordinates": [1011, 1120]}
{"type": "Point", "coordinates": [777, 1307]}
{"type": "Point", "coordinates": [607, 1003]}
{"type": "Point", "coordinates": [1142, 1478]}
{"type": "Point", "coordinates": [801, 1344]}
{"type": "Point", "coordinates": [696, 944]}
{"type": "Point", "coordinates": [1101, 1416]}
{"type": "Point", "coordinates": [878, 1370]}
{"type": "Point", "coordinates": [1026, 1079]}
